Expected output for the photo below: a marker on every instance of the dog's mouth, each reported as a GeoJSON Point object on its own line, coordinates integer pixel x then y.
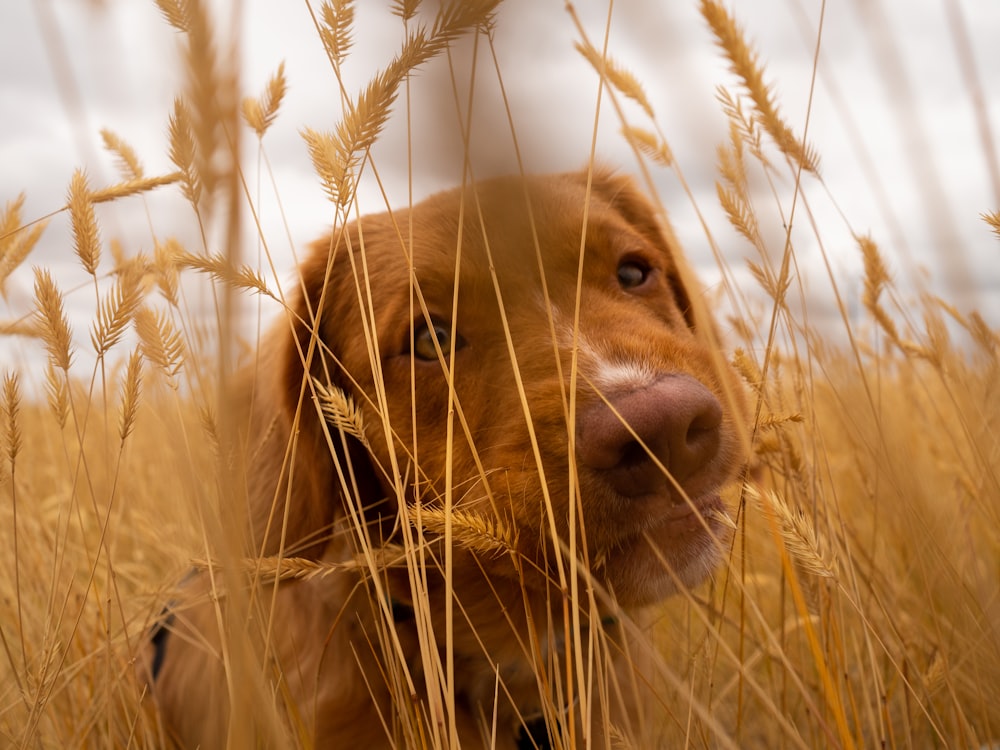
{"type": "Point", "coordinates": [694, 512]}
{"type": "Point", "coordinates": [663, 551]}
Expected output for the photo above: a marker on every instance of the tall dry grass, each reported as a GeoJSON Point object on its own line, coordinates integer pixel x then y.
{"type": "Point", "coordinates": [860, 601]}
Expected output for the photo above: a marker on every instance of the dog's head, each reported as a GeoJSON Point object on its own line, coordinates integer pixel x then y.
{"type": "Point", "coordinates": [528, 345]}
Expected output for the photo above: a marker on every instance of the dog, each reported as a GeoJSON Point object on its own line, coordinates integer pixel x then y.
{"type": "Point", "coordinates": [497, 424]}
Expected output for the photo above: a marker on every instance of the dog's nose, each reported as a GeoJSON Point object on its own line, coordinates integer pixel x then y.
{"type": "Point", "coordinates": [677, 419]}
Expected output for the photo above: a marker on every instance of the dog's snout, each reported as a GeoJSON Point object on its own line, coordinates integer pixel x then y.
{"type": "Point", "coordinates": [677, 419]}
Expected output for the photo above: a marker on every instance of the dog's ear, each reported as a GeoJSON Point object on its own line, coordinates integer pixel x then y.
{"type": "Point", "coordinates": [625, 197]}
{"type": "Point", "coordinates": [324, 462]}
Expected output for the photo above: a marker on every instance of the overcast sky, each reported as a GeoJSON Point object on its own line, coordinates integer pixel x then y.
{"type": "Point", "coordinates": [892, 117]}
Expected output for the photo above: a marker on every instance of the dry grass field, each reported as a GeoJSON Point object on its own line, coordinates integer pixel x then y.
{"type": "Point", "coordinates": [859, 605]}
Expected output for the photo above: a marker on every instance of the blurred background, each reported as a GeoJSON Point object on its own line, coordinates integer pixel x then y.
{"type": "Point", "coordinates": [903, 112]}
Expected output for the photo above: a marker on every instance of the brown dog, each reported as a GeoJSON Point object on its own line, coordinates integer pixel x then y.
{"type": "Point", "coordinates": [546, 429]}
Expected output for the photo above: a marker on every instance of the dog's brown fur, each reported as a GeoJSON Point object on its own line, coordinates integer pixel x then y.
{"type": "Point", "coordinates": [632, 350]}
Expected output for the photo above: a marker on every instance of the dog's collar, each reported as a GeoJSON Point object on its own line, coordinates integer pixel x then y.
{"type": "Point", "coordinates": [533, 734]}
{"type": "Point", "coordinates": [158, 637]}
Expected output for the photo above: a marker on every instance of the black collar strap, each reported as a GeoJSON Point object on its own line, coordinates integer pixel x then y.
{"type": "Point", "coordinates": [158, 638]}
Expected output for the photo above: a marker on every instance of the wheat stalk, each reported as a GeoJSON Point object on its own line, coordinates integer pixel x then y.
{"type": "Point", "coordinates": [337, 155]}
{"type": "Point", "coordinates": [206, 93]}
{"type": "Point", "coordinates": [86, 242]}
{"type": "Point", "coordinates": [993, 219]}
{"type": "Point", "coordinates": [335, 30]}
{"type": "Point", "coordinates": [876, 278]}
{"type": "Point", "coordinates": [57, 393]}
{"type": "Point", "coordinates": [749, 370]}
{"type": "Point", "coordinates": [740, 214]}
{"type": "Point", "coordinates": [276, 568]}
{"type": "Point", "coordinates": [10, 221]}
{"type": "Point", "coordinates": [130, 395]}
{"type": "Point", "coordinates": [210, 427]}
{"type": "Point", "coordinates": [16, 240]}
{"type": "Point", "coordinates": [800, 537]}
{"type": "Point", "coordinates": [770, 421]}
{"type": "Point", "coordinates": [134, 187]}
{"type": "Point", "coordinates": [774, 286]}
{"type": "Point", "coordinates": [619, 78]}
{"type": "Point", "coordinates": [52, 320]}
{"type": "Point", "coordinates": [340, 410]}
{"type": "Point", "coordinates": [650, 144]}
{"type": "Point", "coordinates": [744, 62]}
{"type": "Point", "coordinates": [405, 9]}
{"type": "Point", "coordinates": [183, 151]}
{"type": "Point", "coordinates": [723, 517]}
{"type": "Point", "coordinates": [128, 160]}
{"type": "Point", "coordinates": [732, 165]}
{"type": "Point", "coordinates": [748, 128]}
{"type": "Point", "coordinates": [20, 327]}
{"type": "Point", "coordinates": [218, 267]}
{"type": "Point", "coordinates": [12, 440]}
{"type": "Point", "coordinates": [470, 531]}
{"type": "Point", "coordinates": [165, 269]}
{"type": "Point", "coordinates": [734, 196]}
{"type": "Point", "coordinates": [260, 113]}
{"type": "Point", "coordinates": [115, 312]}
{"type": "Point", "coordinates": [984, 336]}
{"type": "Point", "coordinates": [175, 12]}
{"type": "Point", "coordinates": [162, 344]}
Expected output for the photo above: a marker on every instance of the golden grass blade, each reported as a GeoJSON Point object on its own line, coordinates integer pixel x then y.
{"type": "Point", "coordinates": [273, 569]}
{"type": "Point", "coordinates": [775, 287]}
{"type": "Point", "coordinates": [741, 216]}
{"type": "Point", "coordinates": [470, 531]}
{"type": "Point", "coordinates": [330, 164]}
{"type": "Point", "coordinates": [622, 80]}
{"type": "Point", "coordinates": [162, 343]}
{"type": "Point", "coordinates": [175, 12]}
{"type": "Point", "coordinates": [745, 63]}
{"type": "Point", "coordinates": [749, 370]}
{"type": "Point", "coordinates": [261, 112]}
{"type": "Point", "coordinates": [130, 395]}
{"type": "Point", "coordinates": [985, 337]}
{"type": "Point", "coordinates": [207, 93]}
{"type": "Point", "coordinates": [165, 269]}
{"type": "Point", "coordinates": [183, 151]}
{"type": "Point", "coordinates": [993, 219]}
{"type": "Point", "coordinates": [57, 393]}
{"type": "Point", "coordinates": [722, 515]}
{"type": "Point", "coordinates": [337, 18]}
{"type": "Point", "coordinates": [650, 144]}
{"type": "Point", "coordinates": [134, 187]}
{"type": "Point", "coordinates": [405, 9]}
{"type": "Point", "coordinates": [770, 421]}
{"type": "Point", "coordinates": [340, 411]}
{"type": "Point", "coordinates": [799, 535]}
{"type": "Point", "coordinates": [12, 439]}
{"type": "Point", "coordinates": [219, 268]}
{"type": "Point", "coordinates": [10, 221]}
{"type": "Point", "coordinates": [16, 242]}
{"type": "Point", "coordinates": [336, 155]}
{"type": "Point", "coordinates": [115, 312]}
{"type": "Point", "coordinates": [748, 128]}
{"type": "Point", "coordinates": [876, 279]}
{"type": "Point", "coordinates": [22, 327]}
{"type": "Point", "coordinates": [128, 161]}
{"type": "Point", "coordinates": [86, 242]}
{"type": "Point", "coordinates": [52, 320]}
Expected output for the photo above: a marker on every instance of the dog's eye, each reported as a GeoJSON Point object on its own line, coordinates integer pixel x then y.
{"type": "Point", "coordinates": [423, 341]}
{"type": "Point", "coordinates": [632, 274]}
